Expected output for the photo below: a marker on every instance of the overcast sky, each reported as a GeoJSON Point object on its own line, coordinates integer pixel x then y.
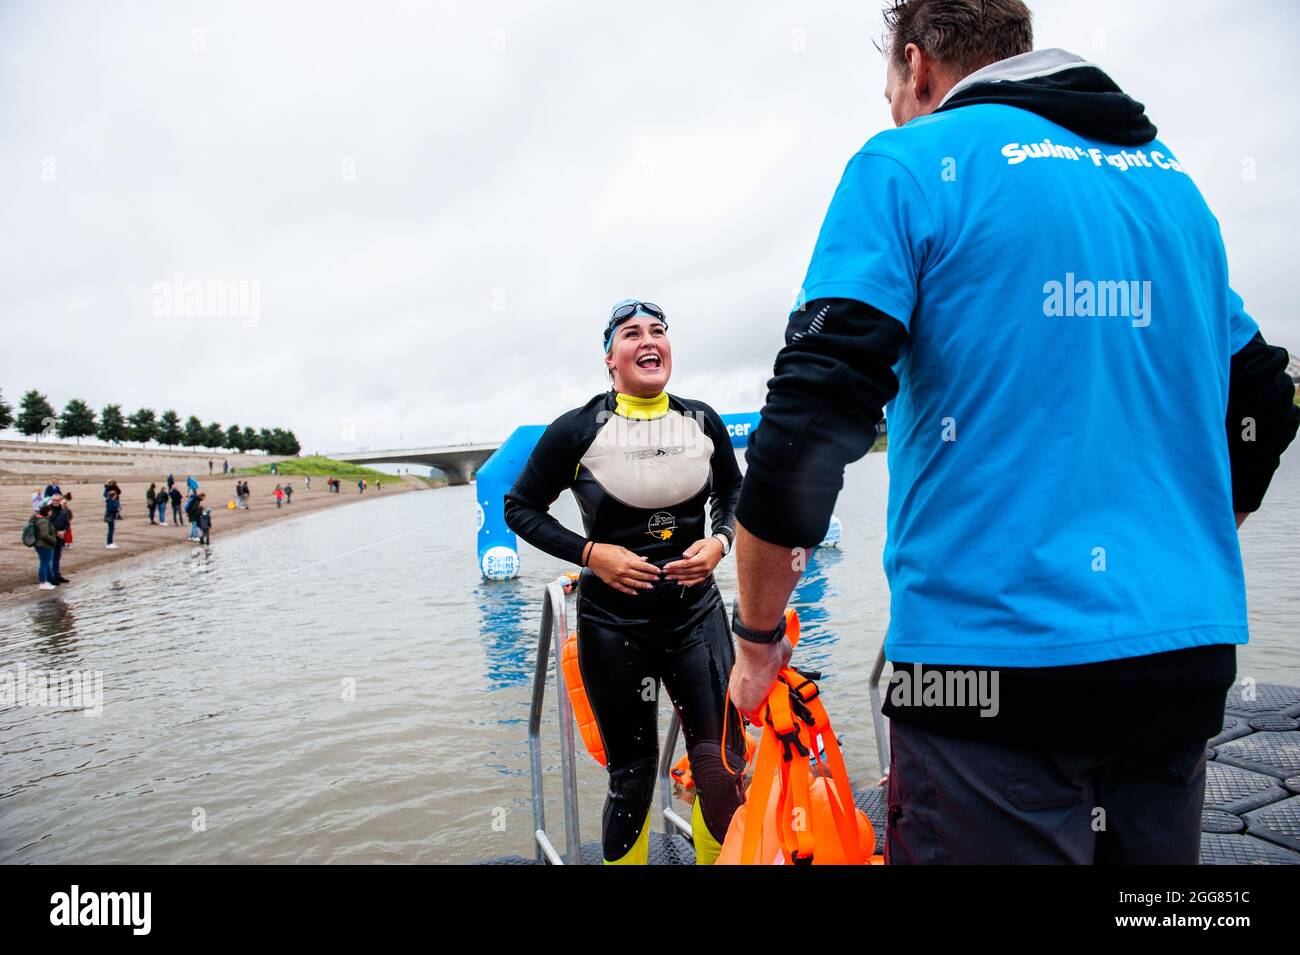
{"type": "Point", "coordinates": [436, 203]}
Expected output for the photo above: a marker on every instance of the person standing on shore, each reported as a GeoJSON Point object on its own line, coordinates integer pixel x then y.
{"type": "Point", "coordinates": [112, 510]}
{"type": "Point", "coordinates": [288, 492]}
{"type": "Point", "coordinates": [279, 495]}
{"type": "Point", "coordinates": [191, 484]}
{"type": "Point", "coordinates": [45, 539]}
{"type": "Point", "coordinates": [174, 495]}
{"type": "Point", "coordinates": [171, 482]}
{"type": "Point", "coordinates": [161, 503]}
{"type": "Point", "coordinates": [37, 500]}
{"type": "Point", "coordinates": [193, 511]}
{"type": "Point", "coordinates": [151, 500]}
{"type": "Point", "coordinates": [61, 519]}
{"type": "Point", "coordinates": [67, 510]}
{"type": "Point", "coordinates": [209, 467]}
{"type": "Point", "coordinates": [53, 488]}
{"type": "Point", "coordinates": [307, 481]}
{"type": "Point", "coordinates": [205, 526]}
{"type": "Point", "coordinates": [1061, 535]}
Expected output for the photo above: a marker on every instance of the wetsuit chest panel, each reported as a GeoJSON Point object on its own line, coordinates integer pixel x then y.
{"type": "Point", "coordinates": [650, 464]}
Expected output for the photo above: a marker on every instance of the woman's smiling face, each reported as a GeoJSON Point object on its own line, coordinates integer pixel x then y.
{"type": "Point", "coordinates": [640, 357]}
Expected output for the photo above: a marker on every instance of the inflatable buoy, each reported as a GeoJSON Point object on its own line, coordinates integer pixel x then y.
{"type": "Point", "coordinates": [800, 819]}
{"type": "Point", "coordinates": [582, 713]}
{"type": "Point", "coordinates": [830, 848]}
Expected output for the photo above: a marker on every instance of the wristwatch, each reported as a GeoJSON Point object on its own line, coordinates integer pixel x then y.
{"type": "Point", "coordinates": [726, 542]}
{"type": "Point", "coordinates": [755, 636]}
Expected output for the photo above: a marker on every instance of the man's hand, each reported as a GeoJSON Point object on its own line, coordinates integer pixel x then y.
{"type": "Point", "coordinates": [765, 576]}
{"type": "Point", "coordinates": [700, 559]}
{"type": "Point", "coordinates": [756, 669]}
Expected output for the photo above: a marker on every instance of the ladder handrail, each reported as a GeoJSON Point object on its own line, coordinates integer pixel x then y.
{"type": "Point", "coordinates": [877, 714]}
{"type": "Point", "coordinates": [552, 633]}
{"type": "Point", "coordinates": [551, 636]}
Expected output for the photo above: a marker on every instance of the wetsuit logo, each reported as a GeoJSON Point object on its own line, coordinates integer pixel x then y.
{"type": "Point", "coordinates": [652, 453]}
{"type": "Point", "coordinates": [661, 525]}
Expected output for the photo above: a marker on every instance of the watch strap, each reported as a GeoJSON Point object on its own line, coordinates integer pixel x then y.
{"type": "Point", "coordinates": [755, 636]}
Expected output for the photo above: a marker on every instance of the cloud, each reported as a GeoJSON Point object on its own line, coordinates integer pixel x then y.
{"type": "Point", "coordinates": [438, 202]}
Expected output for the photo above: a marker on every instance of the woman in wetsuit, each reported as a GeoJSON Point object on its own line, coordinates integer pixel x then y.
{"type": "Point", "coordinates": [642, 464]}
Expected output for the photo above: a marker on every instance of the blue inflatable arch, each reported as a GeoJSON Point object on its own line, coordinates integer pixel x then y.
{"type": "Point", "coordinates": [498, 548]}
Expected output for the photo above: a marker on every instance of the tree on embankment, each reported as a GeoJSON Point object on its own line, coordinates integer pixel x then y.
{"type": "Point", "coordinates": [216, 436]}
{"type": "Point", "coordinates": [143, 426]}
{"type": "Point", "coordinates": [195, 433]}
{"type": "Point", "coordinates": [169, 429]}
{"type": "Point", "coordinates": [234, 438]}
{"type": "Point", "coordinates": [77, 420]}
{"type": "Point", "coordinates": [6, 413]}
{"type": "Point", "coordinates": [35, 414]}
{"type": "Point", "coordinates": [112, 426]}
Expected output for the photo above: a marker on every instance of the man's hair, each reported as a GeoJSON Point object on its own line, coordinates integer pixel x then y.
{"type": "Point", "coordinates": [964, 35]}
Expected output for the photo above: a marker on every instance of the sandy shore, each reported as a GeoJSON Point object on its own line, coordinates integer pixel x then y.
{"type": "Point", "coordinates": [135, 536]}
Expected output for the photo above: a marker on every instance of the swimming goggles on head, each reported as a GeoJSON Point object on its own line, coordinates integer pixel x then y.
{"type": "Point", "coordinates": [625, 310]}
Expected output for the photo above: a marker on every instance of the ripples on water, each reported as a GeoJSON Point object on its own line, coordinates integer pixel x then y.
{"type": "Point", "coordinates": [226, 690]}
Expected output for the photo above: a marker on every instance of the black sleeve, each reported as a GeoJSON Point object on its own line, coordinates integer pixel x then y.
{"type": "Point", "coordinates": [1262, 419]}
{"type": "Point", "coordinates": [726, 476]}
{"type": "Point", "coordinates": [830, 385]}
{"type": "Point", "coordinates": [550, 469]}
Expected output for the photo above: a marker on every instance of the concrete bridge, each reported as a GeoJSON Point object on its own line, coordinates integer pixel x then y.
{"type": "Point", "coordinates": [457, 461]}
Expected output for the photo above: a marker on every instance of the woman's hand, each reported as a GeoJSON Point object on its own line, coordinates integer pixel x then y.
{"type": "Point", "coordinates": [621, 569]}
{"type": "Point", "coordinates": [698, 563]}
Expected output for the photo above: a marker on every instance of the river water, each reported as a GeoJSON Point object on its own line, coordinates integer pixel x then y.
{"type": "Point", "coordinates": [343, 687]}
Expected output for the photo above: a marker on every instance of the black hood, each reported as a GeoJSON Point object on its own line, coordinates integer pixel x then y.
{"type": "Point", "coordinates": [1060, 87]}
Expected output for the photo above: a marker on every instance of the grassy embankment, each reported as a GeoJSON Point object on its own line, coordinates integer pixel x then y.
{"type": "Point", "coordinates": [322, 467]}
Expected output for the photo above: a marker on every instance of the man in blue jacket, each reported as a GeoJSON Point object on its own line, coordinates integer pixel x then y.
{"type": "Point", "coordinates": [1034, 285]}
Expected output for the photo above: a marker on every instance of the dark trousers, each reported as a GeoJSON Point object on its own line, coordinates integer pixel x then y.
{"type": "Point", "coordinates": [111, 523]}
{"type": "Point", "coordinates": [55, 572]}
{"type": "Point", "coordinates": [964, 801]}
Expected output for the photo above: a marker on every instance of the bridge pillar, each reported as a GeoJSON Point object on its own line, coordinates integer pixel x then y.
{"type": "Point", "coordinates": [458, 472]}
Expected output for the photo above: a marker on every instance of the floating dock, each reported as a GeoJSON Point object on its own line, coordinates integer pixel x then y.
{"type": "Point", "coordinates": [1252, 790]}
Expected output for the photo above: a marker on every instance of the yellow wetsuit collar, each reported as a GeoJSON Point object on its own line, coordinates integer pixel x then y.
{"type": "Point", "coordinates": [630, 406]}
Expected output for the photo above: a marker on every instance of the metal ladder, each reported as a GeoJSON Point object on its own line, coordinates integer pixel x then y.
{"type": "Point", "coordinates": [552, 634]}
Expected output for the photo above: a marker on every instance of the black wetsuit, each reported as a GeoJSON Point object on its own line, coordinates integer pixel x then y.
{"type": "Point", "coordinates": [642, 471]}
